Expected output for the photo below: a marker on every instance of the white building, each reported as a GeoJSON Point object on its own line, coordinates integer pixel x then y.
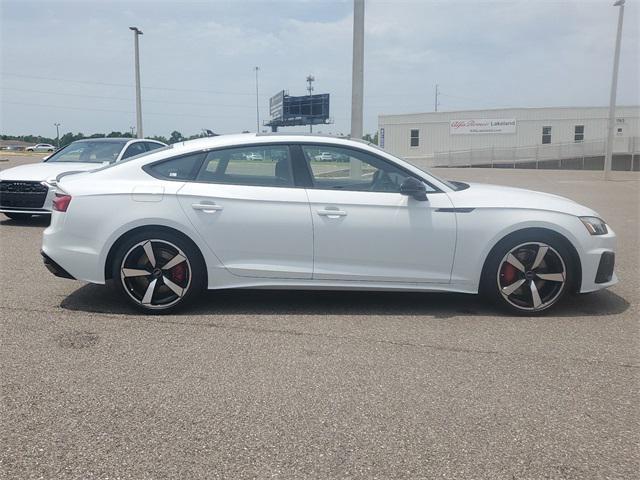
{"type": "Point", "coordinates": [523, 134]}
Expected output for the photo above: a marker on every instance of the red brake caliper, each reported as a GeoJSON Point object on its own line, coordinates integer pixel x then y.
{"type": "Point", "coordinates": [178, 273]}
{"type": "Point", "coordinates": [508, 274]}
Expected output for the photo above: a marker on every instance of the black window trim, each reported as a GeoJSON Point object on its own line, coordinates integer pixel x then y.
{"type": "Point", "coordinates": [302, 176]}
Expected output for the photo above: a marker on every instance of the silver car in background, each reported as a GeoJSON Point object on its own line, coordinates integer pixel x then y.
{"type": "Point", "coordinates": [24, 191]}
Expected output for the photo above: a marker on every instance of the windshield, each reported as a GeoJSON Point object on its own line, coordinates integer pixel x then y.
{"type": "Point", "coordinates": [89, 152]}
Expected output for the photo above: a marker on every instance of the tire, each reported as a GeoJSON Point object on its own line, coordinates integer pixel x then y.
{"type": "Point", "coordinates": [529, 273]}
{"type": "Point", "coordinates": [18, 217]}
{"type": "Point", "coordinates": [161, 289]}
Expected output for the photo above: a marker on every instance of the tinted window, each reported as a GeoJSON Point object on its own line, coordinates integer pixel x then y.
{"type": "Point", "coordinates": [88, 151]}
{"type": "Point", "coordinates": [153, 145]}
{"type": "Point", "coordinates": [181, 168]}
{"type": "Point", "coordinates": [134, 149]}
{"type": "Point", "coordinates": [268, 165]}
{"type": "Point", "coordinates": [352, 170]}
{"type": "Point", "coordinates": [546, 135]}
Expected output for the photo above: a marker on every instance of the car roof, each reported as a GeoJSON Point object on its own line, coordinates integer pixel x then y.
{"type": "Point", "coordinates": [240, 139]}
{"type": "Point", "coordinates": [115, 139]}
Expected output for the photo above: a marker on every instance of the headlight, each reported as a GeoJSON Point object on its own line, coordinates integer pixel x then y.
{"type": "Point", "coordinates": [595, 225]}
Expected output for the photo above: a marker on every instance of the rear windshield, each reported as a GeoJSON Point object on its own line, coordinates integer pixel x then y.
{"type": "Point", "coordinates": [89, 152]}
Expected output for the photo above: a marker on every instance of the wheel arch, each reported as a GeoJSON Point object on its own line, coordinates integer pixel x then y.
{"type": "Point", "coordinates": [525, 234]}
{"type": "Point", "coordinates": [157, 228]}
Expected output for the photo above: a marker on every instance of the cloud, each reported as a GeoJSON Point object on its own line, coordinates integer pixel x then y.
{"type": "Point", "coordinates": [482, 53]}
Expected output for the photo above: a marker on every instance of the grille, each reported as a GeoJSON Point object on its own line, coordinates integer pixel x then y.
{"type": "Point", "coordinates": [19, 194]}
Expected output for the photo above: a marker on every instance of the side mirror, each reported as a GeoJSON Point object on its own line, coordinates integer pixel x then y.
{"type": "Point", "coordinates": [413, 187]}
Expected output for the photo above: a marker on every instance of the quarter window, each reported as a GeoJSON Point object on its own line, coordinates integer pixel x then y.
{"type": "Point", "coordinates": [267, 166]}
{"type": "Point", "coordinates": [546, 135]}
{"type": "Point", "coordinates": [578, 135]}
{"type": "Point", "coordinates": [352, 170]}
{"type": "Point", "coordinates": [415, 138]}
{"type": "Point", "coordinates": [181, 168]}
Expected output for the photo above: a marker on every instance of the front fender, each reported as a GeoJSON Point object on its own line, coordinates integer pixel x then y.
{"type": "Point", "coordinates": [480, 230]}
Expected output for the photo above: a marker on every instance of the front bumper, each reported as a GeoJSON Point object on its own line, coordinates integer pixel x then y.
{"type": "Point", "coordinates": [10, 202]}
{"type": "Point", "coordinates": [598, 260]}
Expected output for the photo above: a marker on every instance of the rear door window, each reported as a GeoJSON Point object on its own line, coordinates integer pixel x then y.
{"type": "Point", "coordinates": [264, 165]}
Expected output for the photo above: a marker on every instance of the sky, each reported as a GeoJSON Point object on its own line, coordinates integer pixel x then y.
{"type": "Point", "coordinates": [72, 62]}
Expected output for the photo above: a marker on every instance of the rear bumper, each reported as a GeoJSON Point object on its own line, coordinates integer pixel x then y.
{"type": "Point", "coordinates": [74, 251]}
{"type": "Point", "coordinates": [54, 268]}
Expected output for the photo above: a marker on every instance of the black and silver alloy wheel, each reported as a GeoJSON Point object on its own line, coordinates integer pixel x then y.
{"type": "Point", "coordinates": [156, 274]}
{"type": "Point", "coordinates": [532, 276]}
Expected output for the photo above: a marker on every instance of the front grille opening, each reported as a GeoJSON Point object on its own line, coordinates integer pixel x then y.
{"type": "Point", "coordinates": [22, 194]}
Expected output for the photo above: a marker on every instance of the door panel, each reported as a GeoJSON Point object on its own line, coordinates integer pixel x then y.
{"type": "Point", "coordinates": [252, 217]}
{"type": "Point", "coordinates": [365, 230]}
{"type": "Point", "coordinates": [254, 231]}
{"type": "Point", "coordinates": [382, 237]}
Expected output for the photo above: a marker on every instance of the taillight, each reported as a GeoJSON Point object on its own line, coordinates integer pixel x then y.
{"type": "Point", "coordinates": [61, 202]}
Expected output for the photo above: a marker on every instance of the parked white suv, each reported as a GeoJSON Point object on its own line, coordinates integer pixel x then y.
{"type": "Point", "coordinates": [24, 191]}
{"type": "Point", "coordinates": [41, 147]}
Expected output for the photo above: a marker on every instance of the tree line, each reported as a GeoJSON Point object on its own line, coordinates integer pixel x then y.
{"type": "Point", "coordinates": [70, 137]}
{"type": "Point", "coordinates": [174, 137]}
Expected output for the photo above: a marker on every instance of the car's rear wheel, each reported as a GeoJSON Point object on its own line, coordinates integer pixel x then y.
{"type": "Point", "coordinates": [529, 277]}
{"type": "Point", "coordinates": [18, 217]}
{"type": "Point", "coordinates": [158, 271]}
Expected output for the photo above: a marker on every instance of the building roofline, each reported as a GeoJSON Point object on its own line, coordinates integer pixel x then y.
{"type": "Point", "coordinates": [503, 108]}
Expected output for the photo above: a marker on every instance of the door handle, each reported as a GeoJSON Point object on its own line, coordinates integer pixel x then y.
{"type": "Point", "coordinates": [206, 207]}
{"type": "Point", "coordinates": [327, 212]}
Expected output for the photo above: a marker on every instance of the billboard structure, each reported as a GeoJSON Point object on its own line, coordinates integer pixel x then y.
{"type": "Point", "coordinates": [288, 111]}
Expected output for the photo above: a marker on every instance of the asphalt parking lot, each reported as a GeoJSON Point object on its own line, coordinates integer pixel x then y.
{"type": "Point", "coordinates": [260, 384]}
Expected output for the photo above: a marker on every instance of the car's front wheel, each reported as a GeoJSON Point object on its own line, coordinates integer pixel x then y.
{"type": "Point", "coordinates": [528, 277]}
{"type": "Point", "coordinates": [158, 271]}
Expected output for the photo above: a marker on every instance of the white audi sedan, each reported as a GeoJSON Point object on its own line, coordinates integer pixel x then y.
{"type": "Point", "coordinates": [25, 191]}
{"type": "Point", "coordinates": [205, 214]}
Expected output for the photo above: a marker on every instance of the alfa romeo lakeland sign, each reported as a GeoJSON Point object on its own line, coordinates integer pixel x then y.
{"type": "Point", "coordinates": [482, 125]}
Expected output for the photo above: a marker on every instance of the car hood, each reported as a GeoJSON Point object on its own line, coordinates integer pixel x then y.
{"type": "Point", "coordinates": [39, 172]}
{"type": "Point", "coordinates": [480, 195]}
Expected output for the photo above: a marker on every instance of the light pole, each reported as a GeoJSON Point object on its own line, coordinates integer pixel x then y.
{"type": "Point", "coordinates": [57, 125]}
{"type": "Point", "coordinates": [614, 87]}
{"type": "Point", "coordinates": [136, 33]}
{"type": "Point", "coordinates": [310, 80]}
{"type": "Point", "coordinates": [357, 71]}
{"type": "Point", "coordinates": [257, 103]}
